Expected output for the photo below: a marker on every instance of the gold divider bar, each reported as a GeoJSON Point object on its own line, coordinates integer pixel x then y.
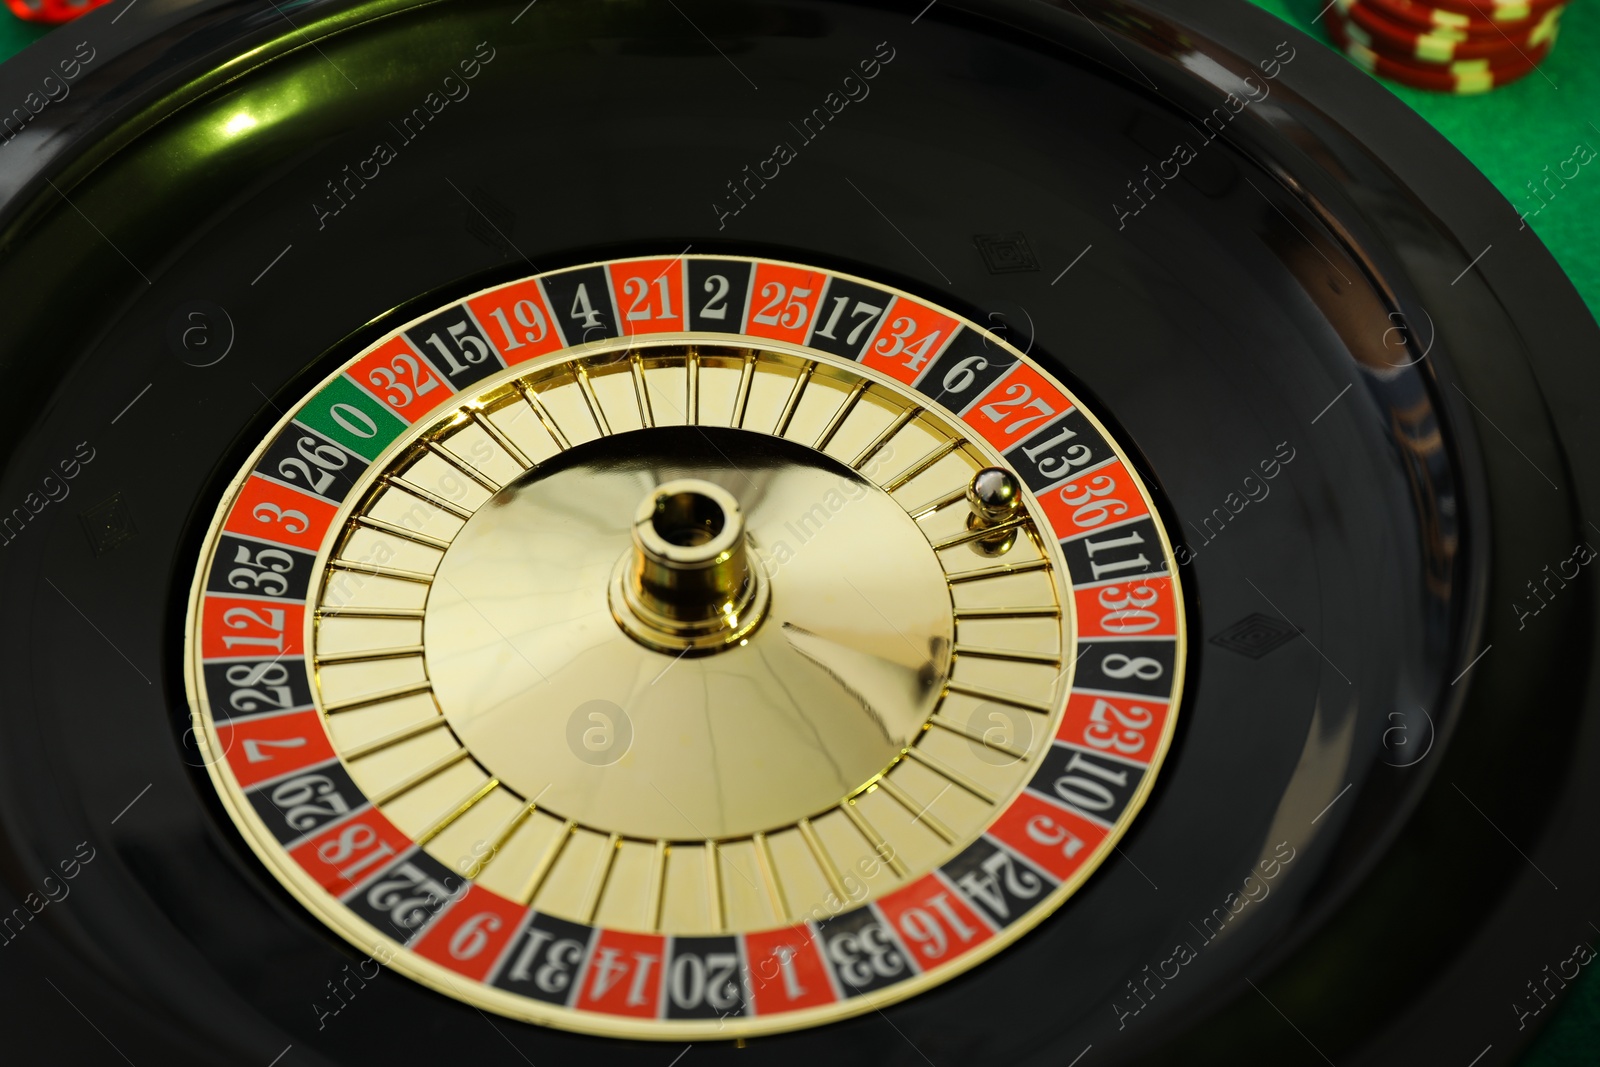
{"type": "Point", "coordinates": [399, 789]}
{"type": "Point", "coordinates": [742, 398]}
{"type": "Point", "coordinates": [496, 435]}
{"type": "Point", "coordinates": [658, 880]}
{"type": "Point", "coordinates": [427, 496]}
{"type": "Point", "coordinates": [714, 887]}
{"type": "Point", "coordinates": [463, 466]}
{"type": "Point", "coordinates": [978, 652]}
{"type": "Point", "coordinates": [882, 439]}
{"type": "Point", "coordinates": [371, 613]}
{"type": "Point", "coordinates": [512, 825]}
{"type": "Point", "coordinates": [586, 390]}
{"type": "Point", "coordinates": [923, 464]}
{"type": "Point", "coordinates": [979, 532]}
{"type": "Point", "coordinates": [416, 729]}
{"type": "Point", "coordinates": [1000, 571]}
{"type": "Point", "coordinates": [975, 737]}
{"type": "Point", "coordinates": [374, 654]}
{"type": "Point", "coordinates": [769, 876]}
{"type": "Point", "coordinates": [376, 570]}
{"type": "Point", "coordinates": [944, 770]}
{"type": "Point", "coordinates": [641, 395]}
{"type": "Point", "coordinates": [994, 696]}
{"type": "Point", "coordinates": [1049, 612]}
{"type": "Point", "coordinates": [875, 839]}
{"type": "Point", "coordinates": [839, 416]}
{"type": "Point", "coordinates": [379, 698]}
{"type": "Point", "coordinates": [545, 418]}
{"type": "Point", "coordinates": [691, 413]}
{"type": "Point", "coordinates": [460, 809]}
{"type": "Point", "coordinates": [793, 402]}
{"type": "Point", "coordinates": [938, 503]}
{"type": "Point", "coordinates": [824, 861]}
{"type": "Point", "coordinates": [923, 814]}
{"type": "Point", "coordinates": [541, 870]}
{"type": "Point", "coordinates": [438, 544]}
{"type": "Point", "coordinates": [598, 880]}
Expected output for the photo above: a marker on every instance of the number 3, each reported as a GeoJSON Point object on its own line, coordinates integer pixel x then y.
{"type": "Point", "coordinates": [295, 522]}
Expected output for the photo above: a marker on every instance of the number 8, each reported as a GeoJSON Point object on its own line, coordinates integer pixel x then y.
{"type": "Point", "coordinates": [1135, 667]}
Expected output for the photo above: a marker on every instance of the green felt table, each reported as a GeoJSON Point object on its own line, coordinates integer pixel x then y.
{"type": "Point", "coordinates": [1512, 134]}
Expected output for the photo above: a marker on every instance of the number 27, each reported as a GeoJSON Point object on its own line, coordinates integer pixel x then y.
{"type": "Point", "coordinates": [1018, 396]}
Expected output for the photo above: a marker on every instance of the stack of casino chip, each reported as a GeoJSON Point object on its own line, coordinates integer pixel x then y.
{"type": "Point", "coordinates": [1451, 46]}
{"type": "Point", "coordinates": [51, 12]}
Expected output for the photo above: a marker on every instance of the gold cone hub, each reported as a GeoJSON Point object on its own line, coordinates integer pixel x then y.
{"type": "Point", "coordinates": [688, 583]}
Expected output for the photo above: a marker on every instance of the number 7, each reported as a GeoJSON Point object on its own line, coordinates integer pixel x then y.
{"type": "Point", "coordinates": [253, 753]}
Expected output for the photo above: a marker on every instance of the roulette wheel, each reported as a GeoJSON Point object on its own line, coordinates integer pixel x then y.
{"type": "Point", "coordinates": [781, 531]}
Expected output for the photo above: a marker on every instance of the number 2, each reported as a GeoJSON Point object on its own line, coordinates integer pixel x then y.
{"type": "Point", "coordinates": [717, 306]}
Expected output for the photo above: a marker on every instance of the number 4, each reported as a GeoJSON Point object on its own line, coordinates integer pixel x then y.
{"type": "Point", "coordinates": [583, 310]}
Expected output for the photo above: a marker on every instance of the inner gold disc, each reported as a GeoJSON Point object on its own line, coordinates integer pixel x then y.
{"type": "Point", "coordinates": [556, 700]}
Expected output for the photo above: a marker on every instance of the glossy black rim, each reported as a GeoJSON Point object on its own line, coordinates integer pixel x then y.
{"type": "Point", "coordinates": [1455, 859]}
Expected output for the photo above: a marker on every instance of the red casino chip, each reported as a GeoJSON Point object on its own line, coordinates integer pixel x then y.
{"type": "Point", "coordinates": [1430, 18]}
{"type": "Point", "coordinates": [1370, 26]}
{"type": "Point", "coordinates": [1497, 11]}
{"type": "Point", "coordinates": [1461, 78]}
{"type": "Point", "coordinates": [51, 12]}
